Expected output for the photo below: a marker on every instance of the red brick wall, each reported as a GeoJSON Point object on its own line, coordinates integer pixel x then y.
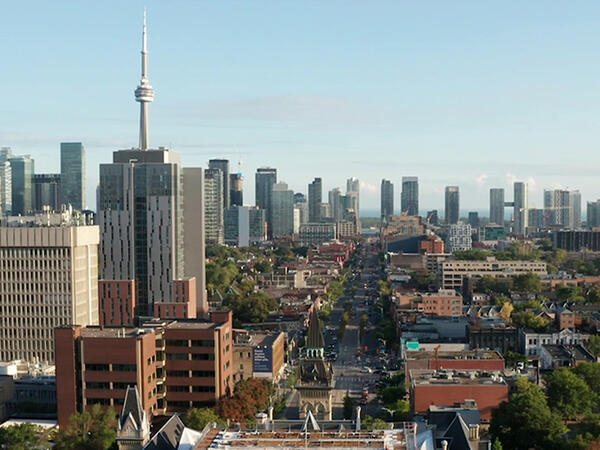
{"type": "Point", "coordinates": [64, 349]}
{"type": "Point", "coordinates": [121, 293]}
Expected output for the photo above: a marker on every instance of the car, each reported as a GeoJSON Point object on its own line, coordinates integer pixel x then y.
{"type": "Point", "coordinates": [366, 369]}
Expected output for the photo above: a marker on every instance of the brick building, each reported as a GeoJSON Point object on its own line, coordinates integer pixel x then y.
{"type": "Point", "coordinates": [175, 365]}
{"type": "Point", "coordinates": [258, 355]}
{"type": "Point", "coordinates": [483, 360]}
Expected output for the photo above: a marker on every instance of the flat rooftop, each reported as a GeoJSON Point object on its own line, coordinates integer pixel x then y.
{"type": "Point", "coordinates": [458, 355]}
{"type": "Point", "coordinates": [421, 377]}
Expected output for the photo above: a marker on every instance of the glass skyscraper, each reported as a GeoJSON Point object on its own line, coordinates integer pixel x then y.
{"type": "Point", "coordinates": [451, 210]}
{"type": "Point", "coordinates": [72, 174]}
{"type": "Point", "coordinates": [265, 178]}
{"type": "Point", "coordinates": [22, 169]}
{"type": "Point", "coordinates": [497, 206]}
{"type": "Point", "coordinates": [387, 198]}
{"type": "Point", "coordinates": [410, 196]}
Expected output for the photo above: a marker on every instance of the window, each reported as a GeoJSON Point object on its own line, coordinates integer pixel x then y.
{"type": "Point", "coordinates": [178, 342]}
{"type": "Point", "coordinates": [203, 356]}
{"type": "Point", "coordinates": [177, 356]}
{"type": "Point", "coordinates": [177, 373]}
{"type": "Point", "coordinates": [97, 367]}
{"type": "Point", "coordinates": [203, 373]}
{"type": "Point", "coordinates": [203, 343]}
{"type": "Point", "coordinates": [124, 367]}
{"type": "Point", "coordinates": [97, 385]}
{"type": "Point", "coordinates": [178, 389]}
{"type": "Point", "coordinates": [203, 389]}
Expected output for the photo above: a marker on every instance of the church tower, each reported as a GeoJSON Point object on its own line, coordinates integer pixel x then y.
{"type": "Point", "coordinates": [315, 381]}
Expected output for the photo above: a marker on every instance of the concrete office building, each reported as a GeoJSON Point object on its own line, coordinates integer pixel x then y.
{"type": "Point", "coordinates": [5, 182]}
{"type": "Point", "coordinates": [244, 226]}
{"type": "Point", "coordinates": [48, 278]}
{"type": "Point", "coordinates": [537, 218]}
{"type": "Point", "coordinates": [282, 207]}
{"type": "Point", "coordinates": [22, 170]}
{"type": "Point", "coordinates": [265, 178]}
{"type": "Point", "coordinates": [175, 365]}
{"type": "Point", "coordinates": [194, 238]}
{"type": "Point", "coordinates": [302, 208]}
{"type": "Point", "coordinates": [317, 233]}
{"type": "Point", "coordinates": [410, 196]}
{"type": "Point", "coordinates": [223, 166]}
{"type": "Point", "coordinates": [315, 198]}
{"type": "Point", "coordinates": [140, 213]}
{"type": "Point", "coordinates": [72, 174]}
{"type": "Point", "coordinates": [387, 198]}
{"type": "Point", "coordinates": [452, 202]}
{"type": "Point", "coordinates": [563, 207]}
{"type": "Point", "coordinates": [520, 207]}
{"type": "Point", "coordinates": [47, 191]}
{"type": "Point", "coordinates": [236, 189]}
{"type": "Point", "coordinates": [213, 206]}
{"type": "Point", "coordinates": [497, 206]}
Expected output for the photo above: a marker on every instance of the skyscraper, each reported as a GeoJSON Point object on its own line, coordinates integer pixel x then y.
{"type": "Point", "coordinates": [315, 198]}
{"type": "Point", "coordinates": [236, 189]}
{"type": "Point", "coordinates": [302, 207]}
{"type": "Point", "coordinates": [410, 196]}
{"type": "Point", "coordinates": [335, 203]}
{"type": "Point", "coordinates": [72, 174]}
{"type": "Point", "coordinates": [474, 219]}
{"type": "Point", "coordinates": [520, 214]}
{"type": "Point", "coordinates": [593, 214]}
{"type": "Point", "coordinates": [22, 170]}
{"type": "Point", "coordinates": [140, 213]}
{"type": "Point", "coordinates": [563, 207]}
{"type": "Point", "coordinates": [5, 182]}
{"type": "Point", "coordinates": [223, 165]}
{"type": "Point", "coordinates": [451, 211]}
{"type": "Point", "coordinates": [497, 206]}
{"type": "Point", "coordinates": [282, 207]}
{"type": "Point", "coordinates": [265, 178]}
{"type": "Point", "coordinates": [213, 206]}
{"type": "Point", "coordinates": [46, 191]}
{"type": "Point", "coordinates": [387, 198]}
{"type": "Point", "coordinates": [353, 194]}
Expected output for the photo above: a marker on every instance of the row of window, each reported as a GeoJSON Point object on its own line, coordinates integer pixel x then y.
{"type": "Point", "coordinates": [115, 367]}
{"type": "Point", "coordinates": [194, 343]}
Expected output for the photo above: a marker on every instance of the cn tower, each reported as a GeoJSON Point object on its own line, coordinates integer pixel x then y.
{"type": "Point", "coordinates": [144, 93]}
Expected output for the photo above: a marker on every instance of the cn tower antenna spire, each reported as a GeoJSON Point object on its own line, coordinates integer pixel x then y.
{"type": "Point", "coordinates": [144, 93]}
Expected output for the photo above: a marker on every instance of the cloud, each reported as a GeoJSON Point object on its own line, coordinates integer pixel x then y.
{"type": "Point", "coordinates": [481, 179]}
{"type": "Point", "coordinates": [510, 178]}
{"type": "Point", "coordinates": [368, 187]}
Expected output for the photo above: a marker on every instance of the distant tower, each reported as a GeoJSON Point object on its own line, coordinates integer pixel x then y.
{"type": "Point", "coordinates": [144, 93]}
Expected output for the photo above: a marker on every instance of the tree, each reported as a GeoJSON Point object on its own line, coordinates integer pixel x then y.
{"type": "Point", "coordinates": [92, 429]}
{"type": "Point", "coordinates": [401, 409]}
{"type": "Point", "coordinates": [198, 418]}
{"type": "Point", "coordinates": [371, 423]}
{"type": "Point", "coordinates": [527, 282]}
{"type": "Point", "coordinates": [24, 436]}
{"type": "Point", "coordinates": [389, 395]}
{"type": "Point", "coordinates": [527, 319]}
{"type": "Point", "coordinates": [263, 266]}
{"type": "Point", "coordinates": [497, 445]}
{"type": "Point", "coordinates": [590, 373]}
{"type": "Point", "coordinates": [384, 288]}
{"type": "Point", "coordinates": [506, 311]}
{"type": "Point", "coordinates": [348, 407]}
{"type": "Point", "coordinates": [570, 293]}
{"type": "Point", "coordinates": [568, 394]}
{"type": "Point", "coordinates": [593, 345]}
{"type": "Point", "coordinates": [526, 421]}
{"type": "Point", "coordinates": [250, 396]}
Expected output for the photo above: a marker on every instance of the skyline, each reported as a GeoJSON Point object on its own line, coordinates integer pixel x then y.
{"type": "Point", "coordinates": [299, 102]}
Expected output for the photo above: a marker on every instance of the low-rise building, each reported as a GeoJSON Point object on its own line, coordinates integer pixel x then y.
{"type": "Point", "coordinates": [556, 356]}
{"type": "Point", "coordinates": [448, 387]}
{"type": "Point", "coordinates": [531, 342]}
{"type": "Point", "coordinates": [294, 279]}
{"type": "Point", "coordinates": [453, 273]}
{"type": "Point", "coordinates": [493, 335]}
{"type": "Point", "coordinates": [258, 355]}
{"type": "Point", "coordinates": [317, 233]}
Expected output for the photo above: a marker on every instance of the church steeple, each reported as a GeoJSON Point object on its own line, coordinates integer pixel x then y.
{"type": "Point", "coordinates": [315, 336]}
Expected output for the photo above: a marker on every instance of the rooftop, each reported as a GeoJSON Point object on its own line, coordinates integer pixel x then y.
{"type": "Point", "coordinates": [456, 377]}
{"type": "Point", "coordinates": [464, 354]}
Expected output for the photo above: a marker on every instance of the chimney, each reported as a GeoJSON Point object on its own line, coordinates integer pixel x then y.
{"type": "Point", "coordinates": [474, 432]}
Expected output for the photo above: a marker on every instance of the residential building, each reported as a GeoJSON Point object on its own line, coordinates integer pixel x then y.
{"type": "Point", "coordinates": [315, 198]}
{"type": "Point", "coordinates": [175, 365]}
{"type": "Point", "coordinates": [557, 356]}
{"type": "Point", "coordinates": [497, 206]}
{"type": "Point", "coordinates": [33, 299]}
{"type": "Point", "coordinates": [458, 237]}
{"type": "Point", "coordinates": [244, 226]}
{"type": "Point", "coordinates": [409, 198]}
{"type": "Point", "coordinates": [353, 199]}
{"type": "Point", "coordinates": [492, 232]}
{"type": "Point", "coordinates": [447, 387]}
{"type": "Point", "coordinates": [194, 235]}
{"type": "Point", "coordinates": [493, 335]}
{"type": "Point", "coordinates": [444, 302]}
{"type": "Point", "coordinates": [520, 207]}
{"type": "Point", "coordinates": [47, 192]}
{"type": "Point", "coordinates": [563, 207]}
{"type": "Point", "coordinates": [265, 178]}
{"type": "Point", "coordinates": [236, 189]}
{"type": "Point", "coordinates": [223, 166]}
{"type": "Point", "coordinates": [576, 240]}
{"type": "Point", "coordinates": [282, 208]}
{"type": "Point", "coordinates": [453, 273]}
{"type": "Point", "coordinates": [335, 203]}
{"type": "Point", "coordinates": [531, 342]}
{"type": "Point", "coordinates": [213, 206]}
{"type": "Point", "coordinates": [387, 198]}
{"type": "Point", "coordinates": [302, 206]}
{"type": "Point", "coordinates": [432, 244]}
{"type": "Point", "coordinates": [317, 233]}
{"type": "Point", "coordinates": [22, 170]}
{"type": "Point", "coordinates": [537, 218]}
{"type": "Point", "coordinates": [451, 210]}
{"type": "Point", "coordinates": [72, 174]}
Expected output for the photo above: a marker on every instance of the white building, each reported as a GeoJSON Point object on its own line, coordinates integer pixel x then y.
{"type": "Point", "coordinates": [458, 237]}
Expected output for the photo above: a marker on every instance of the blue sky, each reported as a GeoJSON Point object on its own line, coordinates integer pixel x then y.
{"type": "Point", "coordinates": [470, 93]}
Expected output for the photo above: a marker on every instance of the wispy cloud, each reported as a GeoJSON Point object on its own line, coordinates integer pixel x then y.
{"type": "Point", "coordinates": [481, 179]}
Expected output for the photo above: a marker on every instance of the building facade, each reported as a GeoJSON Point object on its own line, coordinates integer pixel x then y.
{"type": "Point", "coordinates": [315, 198]}
{"type": "Point", "coordinates": [48, 278]}
{"type": "Point", "coordinates": [223, 166]}
{"type": "Point", "coordinates": [452, 203]}
{"type": "Point", "coordinates": [265, 178]}
{"type": "Point", "coordinates": [282, 208]}
{"type": "Point", "coordinates": [410, 196]}
{"type": "Point", "coordinates": [47, 191]}
{"type": "Point", "coordinates": [458, 237]}
{"type": "Point", "coordinates": [387, 198]}
{"type": "Point", "coordinates": [213, 207]}
{"type": "Point", "coordinates": [244, 226]}
{"type": "Point", "coordinates": [317, 233]}
{"type": "Point", "coordinates": [5, 182]}
{"type": "Point", "coordinates": [236, 189]}
{"type": "Point", "coordinates": [22, 170]}
{"type": "Point", "coordinates": [520, 208]}
{"type": "Point", "coordinates": [497, 206]}
{"type": "Point", "coordinates": [563, 207]}
{"type": "Point", "coordinates": [72, 174]}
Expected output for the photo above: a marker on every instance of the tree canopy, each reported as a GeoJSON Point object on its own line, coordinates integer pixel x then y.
{"type": "Point", "coordinates": [568, 394]}
{"type": "Point", "coordinates": [24, 436]}
{"type": "Point", "coordinates": [198, 418]}
{"type": "Point", "coordinates": [92, 429]}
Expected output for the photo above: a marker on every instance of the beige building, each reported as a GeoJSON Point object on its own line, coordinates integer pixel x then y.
{"type": "Point", "coordinates": [48, 278]}
{"type": "Point", "coordinates": [452, 273]}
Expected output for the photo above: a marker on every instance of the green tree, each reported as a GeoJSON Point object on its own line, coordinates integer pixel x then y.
{"type": "Point", "coordinates": [544, 244]}
{"type": "Point", "coordinates": [568, 395]}
{"type": "Point", "coordinates": [401, 409]}
{"type": "Point", "coordinates": [373, 423]}
{"type": "Point", "coordinates": [93, 429]}
{"type": "Point", "coordinates": [497, 445]}
{"type": "Point", "coordinates": [512, 358]}
{"type": "Point", "coordinates": [590, 373]}
{"type": "Point", "coordinates": [472, 255]}
{"type": "Point", "coordinates": [593, 345]}
{"type": "Point", "coordinates": [570, 293]}
{"type": "Point", "coordinates": [348, 407]}
{"type": "Point", "coordinates": [384, 288]}
{"type": "Point", "coordinates": [527, 319]}
{"type": "Point", "coordinates": [389, 395]}
{"type": "Point", "coordinates": [527, 282]}
{"type": "Point", "coordinates": [198, 418]}
{"type": "Point", "coordinates": [263, 266]}
{"type": "Point", "coordinates": [526, 421]}
{"type": "Point", "coordinates": [24, 436]}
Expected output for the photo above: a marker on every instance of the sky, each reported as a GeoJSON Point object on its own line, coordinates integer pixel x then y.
{"type": "Point", "coordinates": [469, 93]}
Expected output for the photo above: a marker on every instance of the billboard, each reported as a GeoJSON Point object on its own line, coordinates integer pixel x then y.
{"type": "Point", "coordinates": [263, 360]}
